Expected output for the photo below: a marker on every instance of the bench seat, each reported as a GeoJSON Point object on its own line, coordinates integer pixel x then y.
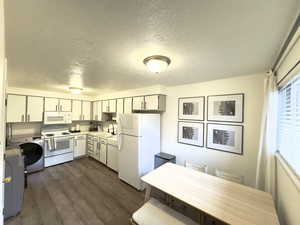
{"type": "Point", "coordinates": [155, 213]}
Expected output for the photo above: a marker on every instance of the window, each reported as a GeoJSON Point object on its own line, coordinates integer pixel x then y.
{"type": "Point", "coordinates": [289, 123]}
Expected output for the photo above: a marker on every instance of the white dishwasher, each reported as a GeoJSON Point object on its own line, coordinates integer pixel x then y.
{"type": "Point", "coordinates": [112, 154]}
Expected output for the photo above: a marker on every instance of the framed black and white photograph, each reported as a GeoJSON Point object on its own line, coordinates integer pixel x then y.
{"type": "Point", "coordinates": [226, 108]}
{"type": "Point", "coordinates": [191, 133]}
{"type": "Point", "coordinates": [191, 108]}
{"type": "Point", "coordinates": [227, 138]}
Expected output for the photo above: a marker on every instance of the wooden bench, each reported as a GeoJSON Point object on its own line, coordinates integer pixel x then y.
{"type": "Point", "coordinates": [154, 212]}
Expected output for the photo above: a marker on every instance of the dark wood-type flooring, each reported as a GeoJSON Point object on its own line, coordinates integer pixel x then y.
{"type": "Point", "coordinates": [81, 192]}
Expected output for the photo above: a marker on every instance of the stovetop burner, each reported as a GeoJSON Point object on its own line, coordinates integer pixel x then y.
{"type": "Point", "coordinates": [49, 135]}
{"type": "Point", "coordinates": [65, 133]}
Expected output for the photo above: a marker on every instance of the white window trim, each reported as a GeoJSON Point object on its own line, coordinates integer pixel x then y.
{"type": "Point", "coordinates": [289, 170]}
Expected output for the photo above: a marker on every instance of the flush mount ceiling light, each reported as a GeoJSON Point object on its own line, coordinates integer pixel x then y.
{"type": "Point", "coordinates": [157, 63]}
{"type": "Point", "coordinates": [75, 90]}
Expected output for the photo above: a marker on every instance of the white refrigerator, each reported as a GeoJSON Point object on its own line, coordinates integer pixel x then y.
{"type": "Point", "coordinates": [138, 141]}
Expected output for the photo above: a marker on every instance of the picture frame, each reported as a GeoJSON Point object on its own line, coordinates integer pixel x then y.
{"type": "Point", "coordinates": [191, 108]}
{"type": "Point", "coordinates": [225, 137]}
{"type": "Point", "coordinates": [226, 108]}
{"type": "Point", "coordinates": [190, 133]}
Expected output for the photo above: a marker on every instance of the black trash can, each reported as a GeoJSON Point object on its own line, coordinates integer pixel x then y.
{"type": "Point", "coordinates": [162, 158]}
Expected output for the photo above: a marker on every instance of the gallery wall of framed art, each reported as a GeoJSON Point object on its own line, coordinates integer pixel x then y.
{"type": "Point", "coordinates": [191, 133]}
{"type": "Point", "coordinates": [226, 108]}
{"type": "Point", "coordinates": [191, 108]}
{"type": "Point", "coordinates": [225, 137]}
{"type": "Point", "coordinates": [223, 113]}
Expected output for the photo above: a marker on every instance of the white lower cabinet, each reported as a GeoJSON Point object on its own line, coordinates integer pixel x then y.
{"type": "Point", "coordinates": [112, 157]}
{"type": "Point", "coordinates": [96, 148]}
{"type": "Point", "coordinates": [103, 150]}
{"type": "Point", "coordinates": [90, 145]}
{"type": "Point", "coordinates": [79, 145]}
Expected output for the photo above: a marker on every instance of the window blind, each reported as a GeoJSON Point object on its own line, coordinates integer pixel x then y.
{"type": "Point", "coordinates": [289, 123]}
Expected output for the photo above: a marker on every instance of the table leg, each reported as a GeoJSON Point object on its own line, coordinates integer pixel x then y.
{"type": "Point", "coordinates": [148, 192]}
{"type": "Point", "coordinates": [202, 218]}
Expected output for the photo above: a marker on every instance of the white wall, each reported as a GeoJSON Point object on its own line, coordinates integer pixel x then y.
{"type": "Point", "coordinates": [2, 105]}
{"type": "Point", "coordinates": [245, 165]}
{"type": "Point", "coordinates": [288, 195]}
{"type": "Point", "coordinates": [252, 87]}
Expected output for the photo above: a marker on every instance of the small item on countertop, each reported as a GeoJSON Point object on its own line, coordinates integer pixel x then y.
{"type": "Point", "coordinates": [111, 128]}
{"type": "Point", "coordinates": [77, 127]}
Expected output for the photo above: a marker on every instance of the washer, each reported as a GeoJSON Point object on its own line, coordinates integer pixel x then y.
{"type": "Point", "coordinates": [34, 155]}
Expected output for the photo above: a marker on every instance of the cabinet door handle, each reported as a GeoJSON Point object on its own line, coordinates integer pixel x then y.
{"type": "Point", "coordinates": [22, 118]}
{"type": "Point", "coordinates": [144, 105]}
{"type": "Point", "coordinates": [28, 118]}
{"type": "Point", "coordinates": [141, 105]}
{"type": "Point", "coordinates": [82, 117]}
{"type": "Point", "coordinates": [61, 108]}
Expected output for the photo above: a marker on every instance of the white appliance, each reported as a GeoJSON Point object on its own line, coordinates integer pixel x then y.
{"type": "Point", "coordinates": [138, 142]}
{"type": "Point", "coordinates": [58, 146]}
{"type": "Point", "coordinates": [57, 118]}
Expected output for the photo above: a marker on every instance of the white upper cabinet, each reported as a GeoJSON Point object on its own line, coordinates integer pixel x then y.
{"type": "Point", "coordinates": [35, 109]}
{"type": "Point", "coordinates": [120, 105]}
{"type": "Point", "coordinates": [105, 106]}
{"type": "Point", "coordinates": [86, 110]}
{"type": "Point", "coordinates": [128, 105]}
{"type": "Point", "coordinates": [138, 103]}
{"type": "Point", "coordinates": [109, 106]}
{"type": "Point", "coordinates": [112, 106]}
{"type": "Point", "coordinates": [58, 105]}
{"type": "Point", "coordinates": [151, 102]}
{"type": "Point", "coordinates": [156, 103]}
{"type": "Point", "coordinates": [16, 109]}
{"type": "Point", "coordinates": [76, 110]}
{"type": "Point", "coordinates": [99, 111]}
{"type": "Point", "coordinates": [95, 110]}
{"type": "Point", "coordinates": [51, 104]}
{"type": "Point", "coordinates": [65, 105]}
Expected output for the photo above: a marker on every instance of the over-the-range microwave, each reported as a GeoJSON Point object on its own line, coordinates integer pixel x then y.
{"type": "Point", "coordinates": [57, 118]}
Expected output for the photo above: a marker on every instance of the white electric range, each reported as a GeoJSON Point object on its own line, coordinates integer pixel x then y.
{"type": "Point", "coordinates": [58, 146]}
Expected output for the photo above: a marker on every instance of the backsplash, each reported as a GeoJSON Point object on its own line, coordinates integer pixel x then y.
{"type": "Point", "coordinates": [16, 129]}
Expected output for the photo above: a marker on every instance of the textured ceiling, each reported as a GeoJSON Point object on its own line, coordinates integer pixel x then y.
{"type": "Point", "coordinates": [100, 44]}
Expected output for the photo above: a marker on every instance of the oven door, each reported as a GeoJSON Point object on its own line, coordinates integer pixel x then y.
{"type": "Point", "coordinates": [58, 145]}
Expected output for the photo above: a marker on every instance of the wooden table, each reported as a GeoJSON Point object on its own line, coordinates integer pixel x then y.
{"type": "Point", "coordinates": [229, 202]}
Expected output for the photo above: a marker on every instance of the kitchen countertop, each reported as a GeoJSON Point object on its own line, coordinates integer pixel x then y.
{"type": "Point", "coordinates": [111, 139]}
